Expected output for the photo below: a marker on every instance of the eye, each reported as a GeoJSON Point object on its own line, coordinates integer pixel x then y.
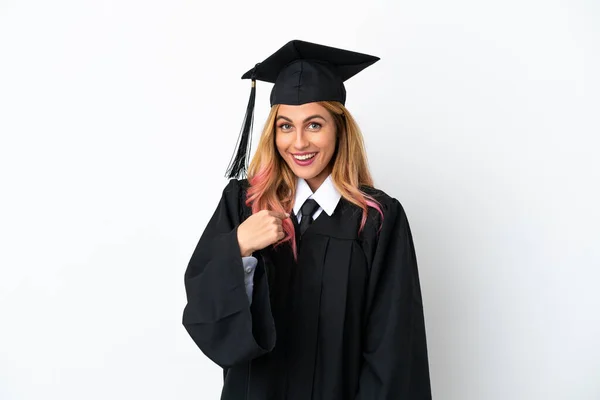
{"type": "Point", "coordinates": [315, 126]}
{"type": "Point", "coordinates": [285, 127]}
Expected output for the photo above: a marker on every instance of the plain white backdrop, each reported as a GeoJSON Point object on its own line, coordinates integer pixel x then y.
{"type": "Point", "coordinates": [118, 119]}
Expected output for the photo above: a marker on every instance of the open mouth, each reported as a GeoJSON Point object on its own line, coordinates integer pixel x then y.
{"type": "Point", "coordinates": [304, 160]}
{"type": "Point", "coordinates": [304, 157]}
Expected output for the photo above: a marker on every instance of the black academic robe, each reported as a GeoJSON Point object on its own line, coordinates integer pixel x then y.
{"type": "Point", "coordinates": [344, 322]}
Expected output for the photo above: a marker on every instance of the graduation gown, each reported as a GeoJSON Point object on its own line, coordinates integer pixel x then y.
{"type": "Point", "coordinates": [344, 322]}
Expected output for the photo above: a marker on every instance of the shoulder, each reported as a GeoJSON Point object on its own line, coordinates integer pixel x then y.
{"type": "Point", "coordinates": [390, 207]}
{"type": "Point", "coordinates": [376, 193]}
{"type": "Point", "coordinates": [236, 186]}
{"type": "Point", "coordinates": [384, 200]}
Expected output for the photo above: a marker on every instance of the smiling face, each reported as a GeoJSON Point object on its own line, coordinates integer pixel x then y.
{"type": "Point", "coordinates": [305, 137]}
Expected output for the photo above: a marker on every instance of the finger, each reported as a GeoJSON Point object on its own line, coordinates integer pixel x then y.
{"type": "Point", "coordinates": [278, 215]}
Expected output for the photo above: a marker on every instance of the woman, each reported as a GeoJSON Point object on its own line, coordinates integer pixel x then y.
{"type": "Point", "coordinates": [304, 284]}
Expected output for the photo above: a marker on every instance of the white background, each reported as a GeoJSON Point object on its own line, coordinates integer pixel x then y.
{"type": "Point", "coordinates": [118, 118]}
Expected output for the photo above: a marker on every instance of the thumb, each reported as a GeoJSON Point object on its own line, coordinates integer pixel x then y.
{"type": "Point", "coordinates": [279, 215]}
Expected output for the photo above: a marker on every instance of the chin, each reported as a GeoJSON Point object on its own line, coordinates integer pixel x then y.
{"type": "Point", "coordinates": [309, 176]}
{"type": "Point", "coordinates": [306, 177]}
{"type": "Point", "coordinates": [304, 173]}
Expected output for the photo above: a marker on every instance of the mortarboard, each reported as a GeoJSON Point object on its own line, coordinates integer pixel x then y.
{"type": "Point", "coordinates": [302, 72]}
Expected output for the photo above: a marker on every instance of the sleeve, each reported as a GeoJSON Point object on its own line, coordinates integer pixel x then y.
{"type": "Point", "coordinates": [217, 315]}
{"type": "Point", "coordinates": [249, 267]}
{"type": "Point", "coordinates": [394, 358]}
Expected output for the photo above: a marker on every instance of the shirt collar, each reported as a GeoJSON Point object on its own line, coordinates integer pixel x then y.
{"type": "Point", "coordinates": [326, 195]}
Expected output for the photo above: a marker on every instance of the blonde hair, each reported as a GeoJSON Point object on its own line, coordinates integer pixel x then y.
{"type": "Point", "coordinates": [273, 184]}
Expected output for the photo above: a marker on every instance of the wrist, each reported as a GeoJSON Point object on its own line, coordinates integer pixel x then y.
{"type": "Point", "coordinates": [245, 251]}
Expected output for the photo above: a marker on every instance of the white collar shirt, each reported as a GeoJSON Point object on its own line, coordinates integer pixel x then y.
{"type": "Point", "coordinates": [326, 196]}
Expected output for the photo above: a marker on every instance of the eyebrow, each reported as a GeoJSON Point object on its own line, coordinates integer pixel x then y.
{"type": "Point", "coordinates": [305, 119]}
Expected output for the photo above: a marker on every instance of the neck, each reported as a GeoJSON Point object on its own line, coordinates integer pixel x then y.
{"type": "Point", "coordinates": [314, 184]}
{"type": "Point", "coordinates": [317, 181]}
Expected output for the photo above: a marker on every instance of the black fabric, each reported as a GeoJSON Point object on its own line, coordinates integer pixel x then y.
{"type": "Point", "coordinates": [343, 322]}
{"type": "Point", "coordinates": [305, 72]}
{"type": "Point", "coordinates": [307, 210]}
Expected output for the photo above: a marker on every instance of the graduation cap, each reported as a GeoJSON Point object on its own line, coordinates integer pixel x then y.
{"type": "Point", "coordinates": [302, 72]}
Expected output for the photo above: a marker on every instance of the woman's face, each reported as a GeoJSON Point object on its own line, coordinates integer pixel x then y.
{"type": "Point", "coordinates": [305, 137]}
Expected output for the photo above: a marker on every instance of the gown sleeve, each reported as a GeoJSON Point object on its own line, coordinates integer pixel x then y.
{"type": "Point", "coordinates": [218, 316]}
{"type": "Point", "coordinates": [394, 360]}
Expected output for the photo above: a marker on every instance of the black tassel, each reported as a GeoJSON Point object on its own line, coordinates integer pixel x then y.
{"type": "Point", "coordinates": [238, 166]}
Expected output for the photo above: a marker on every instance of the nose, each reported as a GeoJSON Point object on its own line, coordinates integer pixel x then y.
{"type": "Point", "coordinates": [301, 141]}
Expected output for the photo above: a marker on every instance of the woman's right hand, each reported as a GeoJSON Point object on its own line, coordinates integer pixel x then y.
{"type": "Point", "coordinates": [260, 230]}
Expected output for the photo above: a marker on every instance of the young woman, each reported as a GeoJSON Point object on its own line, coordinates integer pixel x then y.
{"type": "Point", "coordinates": [304, 284]}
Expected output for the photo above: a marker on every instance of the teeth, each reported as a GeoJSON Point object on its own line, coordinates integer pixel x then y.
{"type": "Point", "coordinates": [305, 156]}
